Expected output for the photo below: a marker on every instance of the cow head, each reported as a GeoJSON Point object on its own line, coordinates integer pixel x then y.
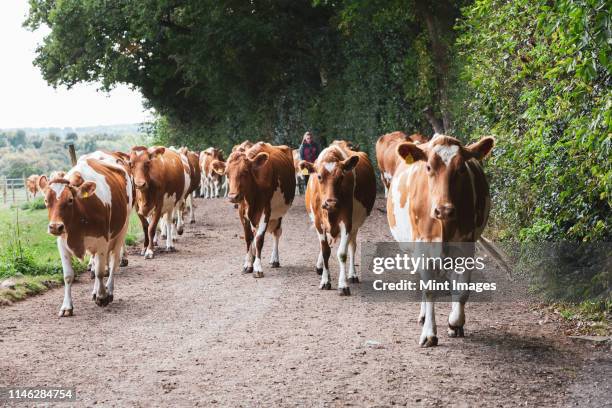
{"type": "Point", "coordinates": [330, 173]}
{"type": "Point", "coordinates": [444, 159]}
{"type": "Point", "coordinates": [32, 183]}
{"type": "Point", "coordinates": [140, 164]}
{"type": "Point", "coordinates": [243, 173]}
{"type": "Point", "coordinates": [60, 199]}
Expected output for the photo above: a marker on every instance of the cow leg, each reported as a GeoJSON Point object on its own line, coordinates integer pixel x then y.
{"type": "Point", "coordinates": [124, 258]}
{"type": "Point", "coordinates": [179, 214]}
{"type": "Point", "coordinates": [67, 308]}
{"type": "Point", "coordinates": [274, 258]}
{"type": "Point", "coordinates": [248, 239]}
{"type": "Point", "coordinates": [152, 232]}
{"type": "Point", "coordinates": [323, 262]}
{"type": "Point", "coordinates": [225, 187]}
{"type": "Point", "coordinates": [456, 318]}
{"type": "Point", "coordinates": [191, 211]}
{"type": "Point", "coordinates": [345, 238]}
{"type": "Point", "coordinates": [422, 312]}
{"type": "Point", "coordinates": [145, 231]}
{"type": "Point", "coordinates": [162, 231]}
{"type": "Point", "coordinates": [384, 183]}
{"type": "Point", "coordinates": [100, 294]}
{"type": "Point", "coordinates": [170, 226]}
{"type": "Point", "coordinates": [352, 247]}
{"type": "Point", "coordinates": [91, 267]}
{"type": "Point", "coordinates": [113, 266]}
{"type": "Point", "coordinates": [428, 335]}
{"type": "Point", "coordinates": [259, 241]}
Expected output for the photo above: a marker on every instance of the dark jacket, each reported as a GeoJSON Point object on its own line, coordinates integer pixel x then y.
{"type": "Point", "coordinates": [309, 151]}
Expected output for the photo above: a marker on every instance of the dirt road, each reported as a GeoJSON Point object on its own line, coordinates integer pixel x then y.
{"type": "Point", "coordinates": [189, 329]}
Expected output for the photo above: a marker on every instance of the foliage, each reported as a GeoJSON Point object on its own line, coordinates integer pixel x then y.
{"type": "Point", "coordinates": [35, 204]}
{"type": "Point", "coordinates": [539, 77]}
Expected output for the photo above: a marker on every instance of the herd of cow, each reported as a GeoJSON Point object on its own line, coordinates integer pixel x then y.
{"type": "Point", "coordinates": [436, 192]}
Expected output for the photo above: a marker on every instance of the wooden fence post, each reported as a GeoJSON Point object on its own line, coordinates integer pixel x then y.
{"type": "Point", "coordinates": [13, 190]}
{"type": "Point", "coordinates": [72, 152]}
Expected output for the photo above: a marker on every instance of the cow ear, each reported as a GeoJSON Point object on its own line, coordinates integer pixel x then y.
{"type": "Point", "coordinates": [43, 183]}
{"type": "Point", "coordinates": [260, 159]}
{"type": "Point", "coordinates": [481, 149]}
{"type": "Point", "coordinates": [155, 152]}
{"type": "Point", "coordinates": [409, 152]}
{"type": "Point", "coordinates": [87, 189]}
{"type": "Point", "coordinates": [308, 166]}
{"type": "Point", "coordinates": [218, 167]}
{"type": "Point", "coordinates": [350, 163]}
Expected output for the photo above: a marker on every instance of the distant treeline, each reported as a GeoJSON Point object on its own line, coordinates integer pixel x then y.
{"type": "Point", "coordinates": [41, 151]}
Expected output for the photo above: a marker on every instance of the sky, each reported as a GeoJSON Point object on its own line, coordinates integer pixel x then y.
{"type": "Point", "coordinates": [27, 101]}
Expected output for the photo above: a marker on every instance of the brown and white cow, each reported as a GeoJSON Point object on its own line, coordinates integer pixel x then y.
{"type": "Point", "coordinates": [211, 180]}
{"type": "Point", "coordinates": [195, 176]}
{"type": "Point", "coordinates": [161, 179]}
{"type": "Point", "coordinates": [89, 213]}
{"type": "Point", "coordinates": [439, 193]}
{"type": "Point", "coordinates": [57, 174]}
{"type": "Point", "coordinates": [32, 184]}
{"type": "Point", "coordinates": [386, 155]}
{"type": "Point", "coordinates": [338, 200]}
{"type": "Point", "coordinates": [262, 183]}
{"type": "Point", "coordinates": [299, 175]}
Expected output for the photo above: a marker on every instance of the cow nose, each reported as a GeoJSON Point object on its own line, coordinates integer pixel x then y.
{"type": "Point", "coordinates": [140, 185]}
{"type": "Point", "coordinates": [56, 228]}
{"type": "Point", "coordinates": [444, 212]}
{"type": "Point", "coordinates": [330, 203]}
{"type": "Point", "coordinates": [233, 198]}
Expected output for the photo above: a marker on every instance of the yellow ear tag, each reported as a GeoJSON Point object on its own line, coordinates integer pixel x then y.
{"type": "Point", "coordinates": [305, 172]}
{"type": "Point", "coordinates": [409, 159]}
{"type": "Point", "coordinates": [85, 194]}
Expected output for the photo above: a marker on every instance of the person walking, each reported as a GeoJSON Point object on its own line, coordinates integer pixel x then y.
{"type": "Point", "coordinates": [309, 151]}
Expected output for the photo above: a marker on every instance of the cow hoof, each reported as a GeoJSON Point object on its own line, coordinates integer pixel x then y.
{"type": "Point", "coordinates": [325, 286]}
{"type": "Point", "coordinates": [421, 320]}
{"type": "Point", "coordinates": [275, 264]}
{"type": "Point", "coordinates": [93, 296]}
{"type": "Point", "coordinates": [170, 249]}
{"type": "Point", "coordinates": [247, 269]}
{"type": "Point", "coordinates": [65, 313]}
{"type": "Point", "coordinates": [163, 236]}
{"type": "Point", "coordinates": [258, 274]}
{"type": "Point", "coordinates": [455, 331]}
{"type": "Point", "coordinates": [192, 222]}
{"type": "Point", "coordinates": [124, 262]}
{"type": "Point", "coordinates": [344, 291]}
{"type": "Point", "coordinates": [353, 279]}
{"type": "Point", "coordinates": [148, 254]}
{"type": "Point", "coordinates": [180, 231]}
{"type": "Point", "coordinates": [429, 341]}
{"type": "Point", "coordinates": [102, 302]}
{"type": "Point", "coordinates": [319, 271]}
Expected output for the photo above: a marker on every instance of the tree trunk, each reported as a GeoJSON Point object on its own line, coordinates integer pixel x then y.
{"type": "Point", "coordinates": [439, 19]}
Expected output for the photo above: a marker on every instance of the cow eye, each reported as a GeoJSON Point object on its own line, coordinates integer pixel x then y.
{"type": "Point", "coordinates": [319, 177]}
{"type": "Point", "coordinates": [428, 168]}
{"type": "Point", "coordinates": [70, 200]}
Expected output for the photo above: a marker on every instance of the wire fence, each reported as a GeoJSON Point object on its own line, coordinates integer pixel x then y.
{"type": "Point", "coordinates": [14, 190]}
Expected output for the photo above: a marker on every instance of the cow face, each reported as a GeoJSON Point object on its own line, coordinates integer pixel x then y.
{"type": "Point", "coordinates": [330, 175]}
{"type": "Point", "coordinates": [140, 164]}
{"type": "Point", "coordinates": [243, 173]}
{"type": "Point", "coordinates": [444, 159]}
{"type": "Point", "coordinates": [60, 198]}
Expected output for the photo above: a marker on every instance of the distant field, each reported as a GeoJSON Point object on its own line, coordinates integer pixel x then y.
{"type": "Point", "coordinates": [31, 231]}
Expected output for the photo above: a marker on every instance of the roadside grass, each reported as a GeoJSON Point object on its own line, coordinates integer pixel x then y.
{"type": "Point", "coordinates": [29, 259]}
